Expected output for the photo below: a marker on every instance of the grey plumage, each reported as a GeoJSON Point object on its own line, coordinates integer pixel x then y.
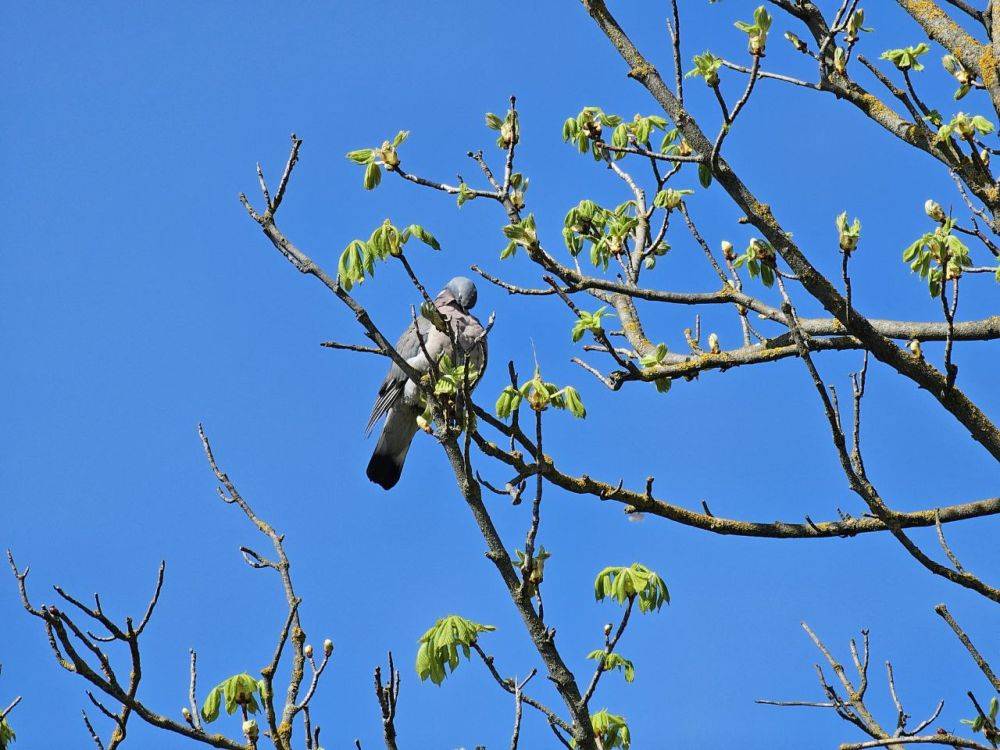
{"type": "Point", "coordinates": [398, 399]}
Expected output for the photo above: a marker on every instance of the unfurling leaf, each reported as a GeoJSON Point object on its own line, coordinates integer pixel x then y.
{"type": "Point", "coordinates": [613, 661]}
{"type": "Point", "coordinates": [634, 582]}
{"type": "Point", "coordinates": [907, 58]}
{"type": "Point", "coordinates": [611, 729]}
{"type": "Point", "coordinates": [588, 322]}
{"type": "Point", "coordinates": [440, 645]}
{"type": "Point", "coordinates": [705, 174]}
{"type": "Point", "coordinates": [361, 156]}
{"type": "Point", "coordinates": [373, 176]}
{"type": "Point", "coordinates": [421, 234]}
{"type": "Point", "coordinates": [237, 692]}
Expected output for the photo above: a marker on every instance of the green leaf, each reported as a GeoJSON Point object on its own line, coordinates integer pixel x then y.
{"type": "Point", "coordinates": [493, 122]}
{"type": "Point", "coordinates": [508, 402]}
{"type": "Point", "coordinates": [588, 322]}
{"type": "Point", "coordinates": [906, 58]}
{"type": "Point", "coordinates": [613, 661]}
{"type": "Point", "coordinates": [440, 644]}
{"type": "Point", "coordinates": [634, 582]}
{"type": "Point", "coordinates": [238, 691]}
{"type": "Point", "coordinates": [351, 266]}
{"type": "Point", "coordinates": [704, 175]}
{"type": "Point", "coordinates": [361, 156]}
{"type": "Point", "coordinates": [373, 176]}
{"type": "Point", "coordinates": [423, 235]}
{"type": "Point", "coordinates": [570, 400]}
{"type": "Point", "coordinates": [401, 136]}
{"type": "Point", "coordinates": [611, 729]}
{"type": "Point", "coordinates": [7, 735]}
{"type": "Point", "coordinates": [465, 194]}
{"type": "Point", "coordinates": [654, 357]}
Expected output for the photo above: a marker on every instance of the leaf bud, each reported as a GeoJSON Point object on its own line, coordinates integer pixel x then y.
{"type": "Point", "coordinates": [933, 209]}
{"type": "Point", "coordinates": [250, 730]}
{"type": "Point", "coordinates": [327, 647]}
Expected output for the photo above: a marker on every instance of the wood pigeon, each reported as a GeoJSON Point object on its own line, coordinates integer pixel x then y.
{"type": "Point", "coordinates": [398, 398]}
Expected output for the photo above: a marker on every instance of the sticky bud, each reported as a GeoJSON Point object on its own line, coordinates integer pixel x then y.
{"type": "Point", "coordinates": [186, 714]}
{"type": "Point", "coordinates": [713, 343]}
{"type": "Point", "coordinates": [250, 730]}
{"type": "Point", "coordinates": [727, 250]}
{"type": "Point", "coordinates": [933, 209]}
{"type": "Point", "coordinates": [915, 348]}
{"type": "Point", "coordinates": [389, 156]}
{"type": "Point", "coordinates": [308, 650]}
{"type": "Point", "coordinates": [327, 647]}
{"type": "Point", "coordinates": [607, 629]}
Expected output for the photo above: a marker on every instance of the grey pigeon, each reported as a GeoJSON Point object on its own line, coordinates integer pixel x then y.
{"type": "Point", "coordinates": [398, 398]}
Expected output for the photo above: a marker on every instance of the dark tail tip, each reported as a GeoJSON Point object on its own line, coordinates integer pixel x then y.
{"type": "Point", "coordinates": [384, 471]}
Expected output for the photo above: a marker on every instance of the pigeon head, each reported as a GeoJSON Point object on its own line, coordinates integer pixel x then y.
{"type": "Point", "coordinates": [464, 291]}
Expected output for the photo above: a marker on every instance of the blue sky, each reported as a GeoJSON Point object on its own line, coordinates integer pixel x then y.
{"type": "Point", "coordinates": [138, 300]}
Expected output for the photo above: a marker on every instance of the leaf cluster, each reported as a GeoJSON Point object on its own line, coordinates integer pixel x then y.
{"type": "Point", "coordinates": [440, 646]}
{"type": "Point", "coordinates": [540, 395]}
{"type": "Point", "coordinates": [759, 260]}
{"type": "Point", "coordinates": [907, 58]}
{"type": "Point", "coordinates": [236, 692]}
{"type": "Point", "coordinates": [357, 261]}
{"type": "Point", "coordinates": [614, 661]}
{"type": "Point", "coordinates": [372, 159]}
{"type": "Point", "coordinates": [757, 31]}
{"type": "Point", "coordinates": [938, 256]}
{"type": "Point", "coordinates": [634, 582]}
{"type": "Point", "coordinates": [606, 231]}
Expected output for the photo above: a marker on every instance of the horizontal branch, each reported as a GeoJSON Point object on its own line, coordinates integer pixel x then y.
{"type": "Point", "coordinates": [641, 502]}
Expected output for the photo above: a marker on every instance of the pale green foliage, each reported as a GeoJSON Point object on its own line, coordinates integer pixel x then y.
{"type": "Point", "coordinates": [796, 42]}
{"type": "Point", "coordinates": [652, 359]}
{"type": "Point", "coordinates": [587, 321]}
{"type": "Point", "coordinates": [965, 126]}
{"type": "Point", "coordinates": [614, 661]}
{"type": "Point", "coordinates": [452, 378]}
{"type": "Point", "coordinates": [757, 31]}
{"type": "Point", "coordinates": [980, 723]}
{"type": "Point", "coordinates": [611, 729]}
{"type": "Point", "coordinates": [357, 261]}
{"type": "Point", "coordinates": [440, 645]}
{"type": "Point", "coordinates": [855, 26]}
{"type": "Point", "coordinates": [534, 569]}
{"type": "Point", "coordinates": [639, 131]}
{"type": "Point", "coordinates": [670, 198]}
{"type": "Point", "coordinates": [521, 234]}
{"type": "Point", "coordinates": [759, 260]}
{"type": "Point", "coordinates": [540, 395]}
{"type": "Point", "coordinates": [635, 581]}
{"type": "Point", "coordinates": [509, 128]}
{"type": "Point", "coordinates": [371, 159]}
{"type": "Point", "coordinates": [938, 256]}
{"type": "Point", "coordinates": [7, 735]}
{"type": "Point", "coordinates": [960, 73]}
{"type": "Point", "coordinates": [907, 58]}
{"type": "Point", "coordinates": [706, 65]}
{"type": "Point", "coordinates": [238, 691]}
{"type": "Point", "coordinates": [848, 234]}
{"type": "Point", "coordinates": [585, 129]}
{"type": "Point", "coordinates": [606, 231]}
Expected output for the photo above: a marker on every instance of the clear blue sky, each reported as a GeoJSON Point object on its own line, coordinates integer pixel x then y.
{"type": "Point", "coordinates": [138, 299]}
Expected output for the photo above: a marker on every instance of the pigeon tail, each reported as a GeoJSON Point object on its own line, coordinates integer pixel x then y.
{"type": "Point", "coordinates": [386, 464]}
